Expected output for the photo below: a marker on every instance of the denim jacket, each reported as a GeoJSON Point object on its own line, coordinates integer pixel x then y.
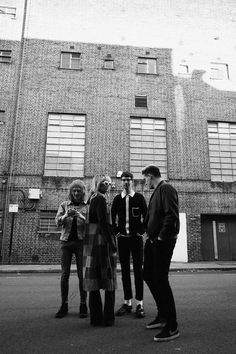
{"type": "Point", "coordinates": [67, 224]}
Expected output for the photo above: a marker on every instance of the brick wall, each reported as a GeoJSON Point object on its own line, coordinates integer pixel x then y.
{"type": "Point", "coordinates": [106, 97]}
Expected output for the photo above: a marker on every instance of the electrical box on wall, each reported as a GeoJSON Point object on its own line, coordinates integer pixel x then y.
{"type": "Point", "coordinates": [34, 193]}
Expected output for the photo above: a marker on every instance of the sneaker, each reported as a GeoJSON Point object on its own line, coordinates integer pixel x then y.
{"type": "Point", "coordinates": [83, 311]}
{"type": "Point", "coordinates": [139, 312]}
{"type": "Point", "coordinates": [166, 334]}
{"type": "Point", "coordinates": [124, 310]}
{"type": "Point", "coordinates": [157, 323]}
{"type": "Point", "coordinates": [62, 312]}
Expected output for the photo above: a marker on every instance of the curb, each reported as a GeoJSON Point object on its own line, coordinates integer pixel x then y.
{"type": "Point", "coordinates": [173, 270]}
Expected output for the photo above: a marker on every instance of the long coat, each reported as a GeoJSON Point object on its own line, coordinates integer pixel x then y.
{"type": "Point", "coordinates": [99, 259]}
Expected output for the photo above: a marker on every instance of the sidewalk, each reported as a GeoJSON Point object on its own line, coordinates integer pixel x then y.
{"type": "Point", "coordinates": [175, 267]}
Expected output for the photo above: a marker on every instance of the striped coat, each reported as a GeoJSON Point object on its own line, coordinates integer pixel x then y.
{"type": "Point", "coordinates": [99, 259]}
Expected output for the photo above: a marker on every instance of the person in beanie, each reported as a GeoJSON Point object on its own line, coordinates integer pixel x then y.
{"type": "Point", "coordinates": [162, 225]}
{"type": "Point", "coordinates": [71, 216]}
{"type": "Point", "coordinates": [128, 212]}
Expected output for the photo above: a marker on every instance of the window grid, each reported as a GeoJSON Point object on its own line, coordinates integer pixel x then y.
{"type": "Point", "coordinates": [183, 69]}
{"type": "Point", "coordinates": [108, 64]}
{"type": "Point", "coordinates": [222, 151]}
{"type": "Point", "coordinates": [47, 222]}
{"type": "Point", "coordinates": [5, 56]}
{"type": "Point", "coordinates": [8, 10]}
{"type": "Point", "coordinates": [219, 71]}
{"type": "Point", "coordinates": [147, 145]}
{"type": "Point", "coordinates": [70, 60]}
{"type": "Point", "coordinates": [65, 145]}
{"type": "Point", "coordinates": [141, 101]}
{"type": "Point", "coordinates": [147, 66]}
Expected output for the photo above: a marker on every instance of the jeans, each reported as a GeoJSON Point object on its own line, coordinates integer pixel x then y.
{"type": "Point", "coordinates": [67, 250]}
{"type": "Point", "coordinates": [157, 257]}
{"type": "Point", "coordinates": [127, 246]}
{"type": "Point", "coordinates": [99, 316]}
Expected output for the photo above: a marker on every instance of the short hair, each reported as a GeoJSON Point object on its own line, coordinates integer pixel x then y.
{"type": "Point", "coordinates": [151, 170]}
{"type": "Point", "coordinates": [127, 174]}
{"type": "Point", "coordinates": [77, 183]}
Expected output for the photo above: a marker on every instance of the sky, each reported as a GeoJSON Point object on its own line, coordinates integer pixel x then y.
{"type": "Point", "coordinates": [194, 29]}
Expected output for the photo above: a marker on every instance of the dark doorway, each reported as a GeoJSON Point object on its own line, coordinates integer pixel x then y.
{"type": "Point", "coordinates": [218, 233]}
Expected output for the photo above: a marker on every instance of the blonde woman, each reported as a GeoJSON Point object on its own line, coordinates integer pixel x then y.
{"type": "Point", "coordinates": [100, 255]}
{"type": "Point", "coordinates": [72, 215]}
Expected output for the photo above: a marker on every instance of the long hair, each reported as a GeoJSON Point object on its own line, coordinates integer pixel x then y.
{"type": "Point", "coordinates": [77, 183]}
{"type": "Point", "coordinates": [96, 181]}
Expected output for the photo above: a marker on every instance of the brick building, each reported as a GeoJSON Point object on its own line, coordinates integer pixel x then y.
{"type": "Point", "coordinates": [71, 110]}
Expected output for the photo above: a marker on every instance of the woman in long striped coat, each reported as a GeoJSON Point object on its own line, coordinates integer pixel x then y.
{"type": "Point", "coordinates": [100, 255]}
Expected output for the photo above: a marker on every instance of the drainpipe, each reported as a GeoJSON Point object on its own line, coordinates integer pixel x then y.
{"type": "Point", "coordinates": [10, 179]}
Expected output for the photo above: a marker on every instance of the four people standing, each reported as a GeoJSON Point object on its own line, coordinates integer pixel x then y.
{"type": "Point", "coordinates": [130, 220]}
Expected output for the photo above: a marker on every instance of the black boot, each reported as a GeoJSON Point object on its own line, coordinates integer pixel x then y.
{"type": "Point", "coordinates": [62, 312]}
{"type": "Point", "coordinates": [83, 310]}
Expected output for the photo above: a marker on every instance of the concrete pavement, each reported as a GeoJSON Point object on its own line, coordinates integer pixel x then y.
{"type": "Point", "coordinates": [175, 267]}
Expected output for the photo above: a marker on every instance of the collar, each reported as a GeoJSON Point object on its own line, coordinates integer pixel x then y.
{"type": "Point", "coordinates": [131, 194]}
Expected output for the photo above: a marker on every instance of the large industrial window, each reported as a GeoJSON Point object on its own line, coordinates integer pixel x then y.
{"type": "Point", "coordinates": [147, 145]}
{"type": "Point", "coordinates": [65, 145]}
{"type": "Point", "coordinates": [147, 66]}
{"type": "Point", "coordinates": [47, 223]}
{"type": "Point", "coordinates": [70, 60]}
{"type": "Point", "coordinates": [222, 151]}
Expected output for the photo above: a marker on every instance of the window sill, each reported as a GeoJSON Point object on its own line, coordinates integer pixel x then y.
{"type": "Point", "coordinates": [79, 69]}
{"type": "Point", "coordinates": [108, 69]}
{"type": "Point", "coordinates": [147, 74]}
{"type": "Point", "coordinates": [49, 232]}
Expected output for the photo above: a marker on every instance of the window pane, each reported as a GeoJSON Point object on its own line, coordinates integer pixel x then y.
{"type": "Point", "coordinates": [65, 150]}
{"type": "Point", "coordinates": [142, 68]}
{"type": "Point", "coordinates": [108, 64]}
{"type": "Point", "coordinates": [75, 63]}
{"type": "Point", "coordinates": [220, 151]}
{"type": "Point", "coordinates": [65, 60]}
{"type": "Point", "coordinates": [152, 67]}
{"type": "Point", "coordinates": [145, 147]}
{"type": "Point", "coordinates": [47, 222]}
{"type": "Point", "coordinates": [140, 101]}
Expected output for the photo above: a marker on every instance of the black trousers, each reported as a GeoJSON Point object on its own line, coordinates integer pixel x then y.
{"type": "Point", "coordinates": [127, 246]}
{"type": "Point", "coordinates": [67, 251]}
{"type": "Point", "coordinates": [157, 258]}
{"type": "Point", "coordinates": [99, 316]}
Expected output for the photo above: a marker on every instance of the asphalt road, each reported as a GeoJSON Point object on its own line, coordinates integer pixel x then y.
{"type": "Point", "coordinates": [205, 303]}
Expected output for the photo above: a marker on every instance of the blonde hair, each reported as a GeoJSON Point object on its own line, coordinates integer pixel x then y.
{"type": "Point", "coordinates": [97, 179]}
{"type": "Point", "coordinates": [79, 183]}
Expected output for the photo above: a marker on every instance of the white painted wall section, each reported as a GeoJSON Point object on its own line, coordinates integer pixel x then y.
{"type": "Point", "coordinates": [181, 252]}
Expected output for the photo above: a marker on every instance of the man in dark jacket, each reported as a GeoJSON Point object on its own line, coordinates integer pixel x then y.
{"type": "Point", "coordinates": [162, 225]}
{"type": "Point", "coordinates": [128, 212]}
